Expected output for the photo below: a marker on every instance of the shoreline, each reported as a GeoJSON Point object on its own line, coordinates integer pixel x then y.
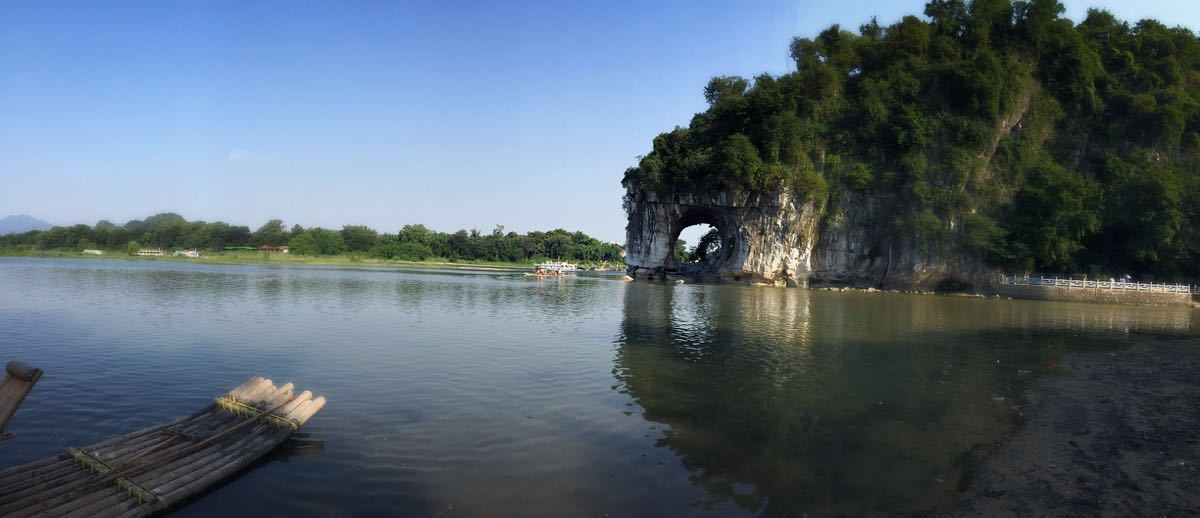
{"type": "Point", "coordinates": [290, 260]}
{"type": "Point", "coordinates": [1115, 434]}
{"type": "Point", "coordinates": [257, 258]}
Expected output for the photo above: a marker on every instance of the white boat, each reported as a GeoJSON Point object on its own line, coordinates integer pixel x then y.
{"type": "Point", "coordinates": [552, 269]}
{"type": "Point", "coordinates": [554, 266]}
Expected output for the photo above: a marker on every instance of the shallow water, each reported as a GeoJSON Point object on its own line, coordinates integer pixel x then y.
{"type": "Point", "coordinates": [459, 393]}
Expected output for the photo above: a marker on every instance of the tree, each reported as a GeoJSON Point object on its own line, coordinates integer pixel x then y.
{"type": "Point", "coordinates": [412, 242]}
{"type": "Point", "coordinates": [415, 234]}
{"type": "Point", "coordinates": [328, 242]}
{"type": "Point", "coordinates": [558, 246]}
{"type": "Point", "coordinates": [272, 233]}
{"type": "Point", "coordinates": [303, 243]}
{"type": "Point", "coordinates": [413, 252]}
{"type": "Point", "coordinates": [154, 222]}
{"type": "Point", "coordinates": [709, 244]}
{"type": "Point", "coordinates": [681, 251]}
{"type": "Point", "coordinates": [388, 247]}
{"type": "Point", "coordinates": [740, 158]}
{"type": "Point", "coordinates": [358, 238]}
{"type": "Point", "coordinates": [1053, 213]}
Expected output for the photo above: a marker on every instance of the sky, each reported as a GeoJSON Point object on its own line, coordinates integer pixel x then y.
{"type": "Point", "coordinates": [448, 113]}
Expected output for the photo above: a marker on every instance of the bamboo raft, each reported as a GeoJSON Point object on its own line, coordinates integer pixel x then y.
{"type": "Point", "coordinates": [154, 469]}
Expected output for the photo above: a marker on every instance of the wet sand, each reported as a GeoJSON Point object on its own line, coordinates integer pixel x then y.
{"type": "Point", "coordinates": [1114, 434]}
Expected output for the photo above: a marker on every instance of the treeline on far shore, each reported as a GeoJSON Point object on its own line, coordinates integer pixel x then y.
{"type": "Point", "coordinates": [171, 231]}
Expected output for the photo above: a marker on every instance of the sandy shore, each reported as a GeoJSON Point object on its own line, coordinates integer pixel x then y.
{"type": "Point", "coordinates": [1115, 435]}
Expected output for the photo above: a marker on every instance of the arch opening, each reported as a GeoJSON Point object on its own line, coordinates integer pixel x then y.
{"type": "Point", "coordinates": [701, 245]}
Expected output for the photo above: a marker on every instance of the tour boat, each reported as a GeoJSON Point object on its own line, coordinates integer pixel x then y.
{"type": "Point", "coordinates": [552, 268]}
{"type": "Point", "coordinates": [555, 266]}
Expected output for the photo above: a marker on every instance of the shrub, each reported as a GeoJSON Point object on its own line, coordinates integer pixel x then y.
{"type": "Point", "coordinates": [859, 178]}
{"type": "Point", "coordinates": [811, 185]}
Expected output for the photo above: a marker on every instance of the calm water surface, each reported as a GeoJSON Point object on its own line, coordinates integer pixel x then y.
{"type": "Point", "coordinates": [455, 393]}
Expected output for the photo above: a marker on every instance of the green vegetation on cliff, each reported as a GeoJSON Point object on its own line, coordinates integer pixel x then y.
{"type": "Point", "coordinates": [1036, 142]}
{"type": "Point", "coordinates": [412, 243]}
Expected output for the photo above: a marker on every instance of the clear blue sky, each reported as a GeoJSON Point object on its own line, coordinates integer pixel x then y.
{"type": "Point", "coordinates": [453, 114]}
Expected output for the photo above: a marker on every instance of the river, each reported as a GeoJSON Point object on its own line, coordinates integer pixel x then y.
{"type": "Point", "coordinates": [481, 393]}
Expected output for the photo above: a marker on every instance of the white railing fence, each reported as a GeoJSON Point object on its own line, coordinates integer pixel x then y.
{"type": "Point", "coordinates": [1097, 285]}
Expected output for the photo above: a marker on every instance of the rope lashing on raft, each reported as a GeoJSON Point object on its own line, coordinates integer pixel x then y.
{"type": "Point", "coordinates": [254, 412]}
{"type": "Point", "coordinates": [131, 488]}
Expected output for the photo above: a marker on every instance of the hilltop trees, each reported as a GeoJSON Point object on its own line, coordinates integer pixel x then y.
{"type": "Point", "coordinates": [1057, 145]}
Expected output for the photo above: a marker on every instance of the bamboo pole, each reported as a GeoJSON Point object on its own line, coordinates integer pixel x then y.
{"type": "Point", "coordinates": [169, 468]}
{"type": "Point", "coordinates": [45, 491]}
{"type": "Point", "coordinates": [242, 393]}
{"type": "Point", "coordinates": [246, 384]}
{"type": "Point", "coordinates": [121, 507]}
{"type": "Point", "coordinates": [198, 459]}
{"type": "Point", "coordinates": [210, 420]}
{"type": "Point", "coordinates": [98, 501]}
{"type": "Point", "coordinates": [34, 469]}
{"type": "Point", "coordinates": [59, 471]}
{"type": "Point", "coordinates": [186, 486]}
{"type": "Point", "coordinates": [301, 413]}
{"type": "Point", "coordinates": [80, 495]}
{"type": "Point", "coordinates": [86, 495]}
{"type": "Point", "coordinates": [134, 471]}
{"type": "Point", "coordinates": [101, 495]}
{"type": "Point", "coordinates": [241, 454]}
{"type": "Point", "coordinates": [115, 451]}
{"type": "Point", "coordinates": [278, 410]}
{"type": "Point", "coordinates": [249, 447]}
{"type": "Point", "coordinates": [116, 498]}
{"type": "Point", "coordinates": [280, 392]}
{"type": "Point", "coordinates": [51, 492]}
{"type": "Point", "coordinates": [26, 469]}
{"type": "Point", "coordinates": [261, 390]}
{"type": "Point", "coordinates": [203, 462]}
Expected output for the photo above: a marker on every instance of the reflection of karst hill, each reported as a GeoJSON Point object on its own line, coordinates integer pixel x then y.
{"type": "Point", "coordinates": [809, 401]}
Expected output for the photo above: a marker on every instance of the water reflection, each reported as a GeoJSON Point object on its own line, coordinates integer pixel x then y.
{"type": "Point", "coordinates": [482, 391]}
{"type": "Point", "coordinates": [791, 401]}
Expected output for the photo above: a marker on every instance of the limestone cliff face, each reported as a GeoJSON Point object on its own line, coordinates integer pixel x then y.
{"type": "Point", "coordinates": [782, 239]}
{"type": "Point", "coordinates": [765, 238]}
{"type": "Point", "coordinates": [858, 245]}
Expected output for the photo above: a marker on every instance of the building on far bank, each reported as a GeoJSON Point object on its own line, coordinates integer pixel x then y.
{"type": "Point", "coordinates": [274, 249]}
{"type": "Point", "coordinates": [92, 251]}
{"type": "Point", "coordinates": [151, 252]}
{"type": "Point", "coordinates": [195, 252]}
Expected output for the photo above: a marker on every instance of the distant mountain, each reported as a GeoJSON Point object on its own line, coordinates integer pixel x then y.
{"type": "Point", "coordinates": [21, 223]}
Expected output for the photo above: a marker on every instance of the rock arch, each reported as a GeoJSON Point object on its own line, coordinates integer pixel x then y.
{"type": "Point", "coordinates": [785, 240]}
{"type": "Point", "coordinates": [764, 238]}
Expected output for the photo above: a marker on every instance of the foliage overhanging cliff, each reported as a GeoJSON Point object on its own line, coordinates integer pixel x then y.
{"type": "Point", "coordinates": [1035, 142]}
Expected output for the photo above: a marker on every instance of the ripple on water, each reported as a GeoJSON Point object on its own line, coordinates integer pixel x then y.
{"type": "Point", "coordinates": [489, 393]}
